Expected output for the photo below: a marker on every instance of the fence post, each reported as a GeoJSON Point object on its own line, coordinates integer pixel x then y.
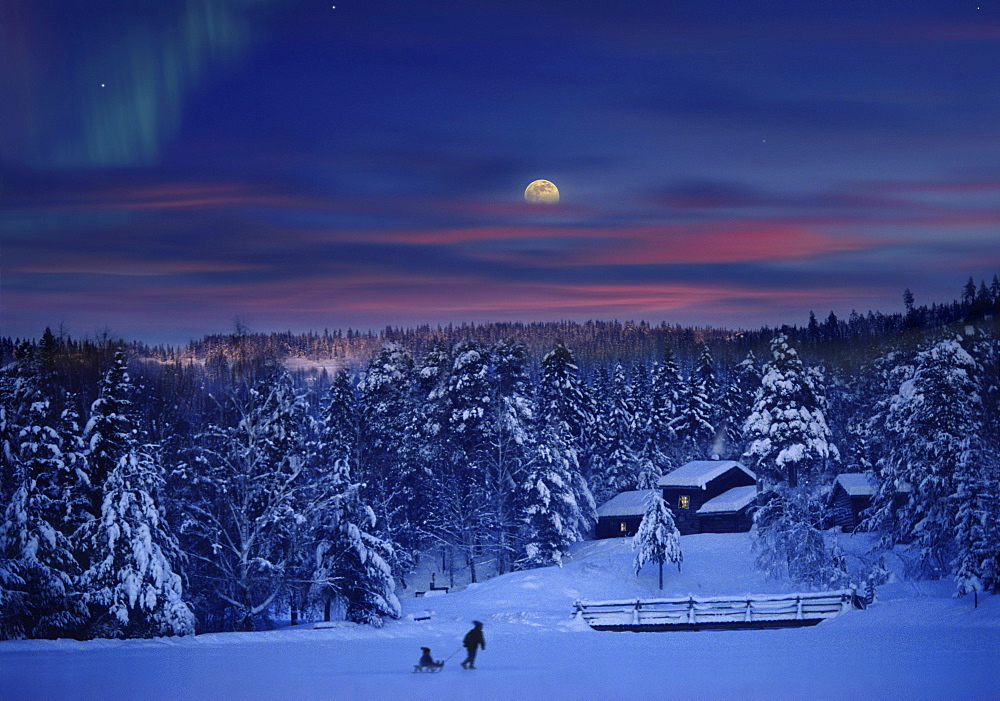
{"type": "Point", "coordinates": [579, 610]}
{"type": "Point", "coordinates": [691, 616]}
{"type": "Point", "coordinates": [749, 616]}
{"type": "Point", "coordinates": [635, 612]}
{"type": "Point", "coordinates": [798, 608]}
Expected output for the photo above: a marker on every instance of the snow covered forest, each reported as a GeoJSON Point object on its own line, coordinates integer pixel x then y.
{"type": "Point", "coordinates": [144, 497]}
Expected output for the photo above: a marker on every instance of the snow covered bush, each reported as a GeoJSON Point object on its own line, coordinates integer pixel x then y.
{"type": "Point", "coordinates": [789, 544]}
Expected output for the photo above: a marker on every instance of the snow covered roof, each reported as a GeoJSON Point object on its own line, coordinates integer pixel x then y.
{"type": "Point", "coordinates": [699, 473]}
{"type": "Point", "coordinates": [863, 484]}
{"type": "Point", "coordinates": [857, 484]}
{"type": "Point", "coordinates": [627, 503]}
{"type": "Point", "coordinates": [733, 500]}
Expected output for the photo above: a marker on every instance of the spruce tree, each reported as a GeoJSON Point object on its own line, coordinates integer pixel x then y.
{"type": "Point", "coordinates": [351, 564]}
{"type": "Point", "coordinates": [387, 467]}
{"type": "Point", "coordinates": [131, 582]}
{"type": "Point", "coordinates": [551, 512]}
{"type": "Point", "coordinates": [789, 441]}
{"type": "Point", "coordinates": [38, 569]}
{"type": "Point", "coordinates": [734, 408]}
{"type": "Point", "coordinates": [658, 539]}
{"type": "Point", "coordinates": [935, 450]}
{"type": "Point", "coordinates": [665, 404]}
{"type": "Point", "coordinates": [790, 451]}
{"type": "Point", "coordinates": [512, 445]}
{"type": "Point", "coordinates": [565, 407]}
{"type": "Point", "coordinates": [693, 424]}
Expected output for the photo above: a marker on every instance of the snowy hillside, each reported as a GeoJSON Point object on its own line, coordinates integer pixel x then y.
{"type": "Point", "coordinates": [915, 642]}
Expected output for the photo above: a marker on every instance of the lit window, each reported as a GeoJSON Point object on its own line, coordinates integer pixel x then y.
{"type": "Point", "coordinates": [623, 528]}
{"type": "Point", "coordinates": [684, 502]}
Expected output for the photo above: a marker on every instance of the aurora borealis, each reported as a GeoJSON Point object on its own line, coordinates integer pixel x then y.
{"type": "Point", "coordinates": [168, 167]}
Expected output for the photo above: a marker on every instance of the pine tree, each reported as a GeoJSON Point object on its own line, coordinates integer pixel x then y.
{"type": "Point", "coordinates": [551, 512]}
{"type": "Point", "coordinates": [131, 582]}
{"type": "Point", "coordinates": [657, 539]}
{"type": "Point", "coordinates": [352, 565]}
{"type": "Point", "coordinates": [666, 401]}
{"type": "Point", "coordinates": [789, 441]}
{"type": "Point", "coordinates": [565, 408]}
{"type": "Point", "coordinates": [789, 449]}
{"type": "Point", "coordinates": [935, 426]}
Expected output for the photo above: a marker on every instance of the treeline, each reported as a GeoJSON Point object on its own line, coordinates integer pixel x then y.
{"type": "Point", "coordinates": [832, 340]}
{"type": "Point", "coordinates": [171, 497]}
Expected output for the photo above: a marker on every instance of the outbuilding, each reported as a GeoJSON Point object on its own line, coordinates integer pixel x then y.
{"type": "Point", "coordinates": [852, 495]}
{"type": "Point", "coordinates": [691, 486]}
{"type": "Point", "coordinates": [620, 516]}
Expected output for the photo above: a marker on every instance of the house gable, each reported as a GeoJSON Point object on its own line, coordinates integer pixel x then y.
{"type": "Point", "coordinates": [689, 487]}
{"type": "Point", "coordinates": [620, 516]}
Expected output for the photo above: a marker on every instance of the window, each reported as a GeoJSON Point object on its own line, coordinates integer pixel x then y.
{"type": "Point", "coordinates": [684, 502]}
{"type": "Point", "coordinates": [623, 528]}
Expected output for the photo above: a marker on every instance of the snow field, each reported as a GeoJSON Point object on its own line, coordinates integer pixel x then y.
{"type": "Point", "coordinates": [916, 643]}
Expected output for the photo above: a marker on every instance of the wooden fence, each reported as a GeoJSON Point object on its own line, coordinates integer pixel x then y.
{"type": "Point", "coordinates": [717, 613]}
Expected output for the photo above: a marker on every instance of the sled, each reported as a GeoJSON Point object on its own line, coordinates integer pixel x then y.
{"type": "Point", "coordinates": [429, 668]}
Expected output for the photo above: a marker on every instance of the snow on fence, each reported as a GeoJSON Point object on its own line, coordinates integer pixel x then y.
{"type": "Point", "coordinates": [691, 613]}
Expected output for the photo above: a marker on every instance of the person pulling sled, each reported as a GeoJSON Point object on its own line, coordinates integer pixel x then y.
{"type": "Point", "coordinates": [473, 641]}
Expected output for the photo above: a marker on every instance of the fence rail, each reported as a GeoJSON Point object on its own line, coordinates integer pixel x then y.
{"type": "Point", "coordinates": [691, 613]}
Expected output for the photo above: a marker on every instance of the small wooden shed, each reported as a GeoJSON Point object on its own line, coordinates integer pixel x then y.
{"type": "Point", "coordinates": [852, 494]}
{"type": "Point", "coordinates": [688, 488]}
{"type": "Point", "coordinates": [620, 516]}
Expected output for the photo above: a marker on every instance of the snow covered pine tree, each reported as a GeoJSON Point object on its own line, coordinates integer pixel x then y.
{"type": "Point", "coordinates": [131, 584]}
{"type": "Point", "coordinates": [789, 449]}
{"type": "Point", "coordinates": [551, 513]}
{"type": "Point", "coordinates": [38, 570]}
{"type": "Point", "coordinates": [657, 539]}
{"type": "Point", "coordinates": [935, 427]}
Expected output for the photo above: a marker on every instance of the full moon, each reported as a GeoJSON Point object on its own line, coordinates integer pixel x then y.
{"type": "Point", "coordinates": [542, 191]}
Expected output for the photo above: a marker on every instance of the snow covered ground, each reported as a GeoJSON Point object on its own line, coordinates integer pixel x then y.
{"type": "Point", "coordinates": [915, 643]}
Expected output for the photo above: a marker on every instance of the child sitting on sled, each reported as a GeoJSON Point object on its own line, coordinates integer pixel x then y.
{"type": "Point", "coordinates": [428, 662]}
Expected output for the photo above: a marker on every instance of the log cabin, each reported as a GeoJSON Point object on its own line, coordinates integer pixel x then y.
{"type": "Point", "coordinates": [620, 516]}
{"type": "Point", "coordinates": [690, 487]}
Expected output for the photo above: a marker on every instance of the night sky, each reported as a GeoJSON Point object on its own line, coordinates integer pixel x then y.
{"type": "Point", "coordinates": [168, 168]}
